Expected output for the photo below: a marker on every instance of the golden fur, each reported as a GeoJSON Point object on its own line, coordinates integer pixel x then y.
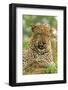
{"type": "Point", "coordinates": [39, 54]}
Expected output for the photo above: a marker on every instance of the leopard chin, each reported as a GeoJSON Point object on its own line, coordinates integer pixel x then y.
{"type": "Point", "coordinates": [42, 52]}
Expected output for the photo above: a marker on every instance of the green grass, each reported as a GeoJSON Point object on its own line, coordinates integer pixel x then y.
{"type": "Point", "coordinates": [51, 69]}
{"type": "Point", "coordinates": [25, 45]}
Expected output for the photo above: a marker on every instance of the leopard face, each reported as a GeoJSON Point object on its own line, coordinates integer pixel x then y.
{"type": "Point", "coordinates": [40, 41]}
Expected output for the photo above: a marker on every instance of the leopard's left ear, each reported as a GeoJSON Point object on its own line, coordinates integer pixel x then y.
{"type": "Point", "coordinates": [53, 32]}
{"type": "Point", "coordinates": [33, 27]}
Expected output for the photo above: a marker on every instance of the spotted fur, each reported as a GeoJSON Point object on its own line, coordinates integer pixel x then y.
{"type": "Point", "coordinates": [39, 54]}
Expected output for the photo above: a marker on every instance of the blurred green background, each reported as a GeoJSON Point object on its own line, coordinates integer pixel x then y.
{"type": "Point", "coordinates": [27, 21]}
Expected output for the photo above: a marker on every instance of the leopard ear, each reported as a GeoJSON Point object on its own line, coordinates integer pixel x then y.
{"type": "Point", "coordinates": [53, 32]}
{"type": "Point", "coordinates": [33, 27]}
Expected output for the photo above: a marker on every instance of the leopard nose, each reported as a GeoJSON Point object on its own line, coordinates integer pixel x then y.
{"type": "Point", "coordinates": [40, 47]}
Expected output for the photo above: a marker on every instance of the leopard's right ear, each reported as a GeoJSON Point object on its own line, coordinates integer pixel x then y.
{"type": "Point", "coordinates": [33, 27]}
{"type": "Point", "coordinates": [53, 32]}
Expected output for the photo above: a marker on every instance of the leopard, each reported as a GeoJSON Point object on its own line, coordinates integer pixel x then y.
{"type": "Point", "coordinates": [39, 54]}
